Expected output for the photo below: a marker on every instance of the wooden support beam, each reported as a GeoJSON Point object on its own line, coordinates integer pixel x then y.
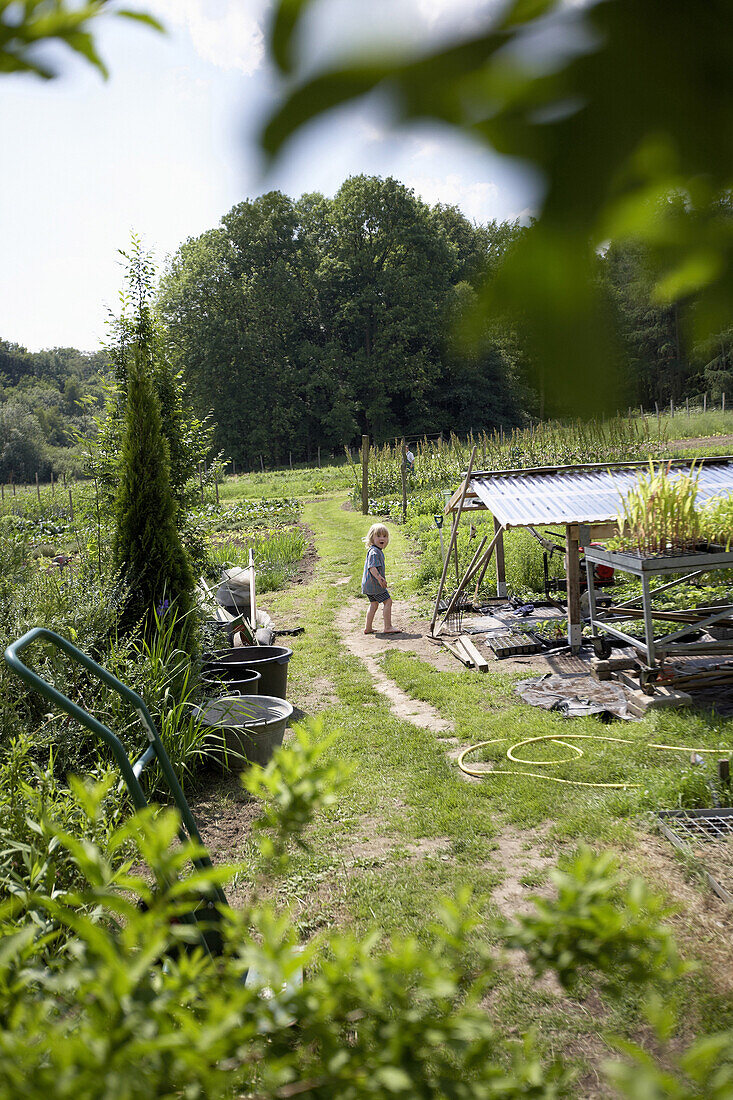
{"type": "Point", "coordinates": [501, 589]}
{"type": "Point", "coordinates": [572, 571]}
{"type": "Point", "coordinates": [453, 535]}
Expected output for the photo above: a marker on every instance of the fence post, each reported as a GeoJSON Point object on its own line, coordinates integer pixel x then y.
{"type": "Point", "coordinates": [262, 464]}
{"type": "Point", "coordinates": [365, 475]}
{"type": "Point", "coordinates": [201, 481]}
{"type": "Point", "coordinates": [216, 488]}
{"type": "Point", "coordinates": [403, 471]}
{"type": "Point", "coordinates": [71, 507]}
{"type": "Point", "coordinates": [38, 488]}
{"type": "Point", "coordinates": [319, 456]}
{"type": "Point", "coordinates": [705, 402]}
{"type": "Point", "coordinates": [671, 406]}
{"type": "Point", "coordinates": [290, 453]}
{"type": "Point", "coordinates": [723, 402]}
{"type": "Point", "coordinates": [656, 406]}
{"type": "Point", "coordinates": [687, 407]}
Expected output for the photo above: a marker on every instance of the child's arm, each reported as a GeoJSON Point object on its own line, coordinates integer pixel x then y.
{"type": "Point", "coordinates": [378, 576]}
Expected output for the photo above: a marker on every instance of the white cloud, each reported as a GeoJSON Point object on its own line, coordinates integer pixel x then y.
{"type": "Point", "coordinates": [225, 33]}
{"type": "Point", "coordinates": [477, 199]}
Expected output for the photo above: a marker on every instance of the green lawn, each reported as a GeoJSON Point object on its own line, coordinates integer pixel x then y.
{"type": "Point", "coordinates": [408, 828]}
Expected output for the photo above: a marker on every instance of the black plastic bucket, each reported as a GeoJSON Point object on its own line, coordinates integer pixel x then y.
{"type": "Point", "coordinates": [271, 661]}
{"type": "Point", "coordinates": [247, 682]}
{"type": "Point", "coordinates": [245, 728]}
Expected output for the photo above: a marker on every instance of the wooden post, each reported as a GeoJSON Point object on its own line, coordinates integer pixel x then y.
{"type": "Point", "coordinates": [319, 456]}
{"type": "Point", "coordinates": [454, 533]}
{"type": "Point", "coordinates": [252, 599]}
{"type": "Point", "coordinates": [723, 402]}
{"type": "Point", "coordinates": [262, 464]}
{"type": "Point", "coordinates": [501, 590]}
{"type": "Point", "coordinates": [201, 480]}
{"type": "Point", "coordinates": [455, 560]}
{"type": "Point", "coordinates": [38, 488]}
{"type": "Point", "coordinates": [687, 407]}
{"type": "Point", "coordinates": [2, 489]}
{"type": "Point", "coordinates": [216, 488]}
{"type": "Point", "coordinates": [705, 402]}
{"type": "Point", "coordinates": [629, 412]}
{"type": "Point", "coordinates": [290, 453]}
{"type": "Point", "coordinates": [572, 572]}
{"type": "Point", "coordinates": [53, 487]}
{"type": "Point", "coordinates": [656, 406]}
{"type": "Point", "coordinates": [671, 406]}
{"type": "Point", "coordinates": [365, 475]}
{"type": "Point", "coordinates": [403, 471]}
{"type": "Point", "coordinates": [71, 507]}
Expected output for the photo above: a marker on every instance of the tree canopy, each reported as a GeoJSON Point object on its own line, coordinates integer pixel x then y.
{"type": "Point", "coordinates": [635, 105]}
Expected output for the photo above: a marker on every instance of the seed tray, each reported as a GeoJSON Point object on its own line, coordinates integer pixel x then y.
{"type": "Point", "coordinates": [512, 645]}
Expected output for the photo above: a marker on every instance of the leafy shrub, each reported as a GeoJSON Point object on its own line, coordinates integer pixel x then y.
{"type": "Point", "coordinates": [124, 1009]}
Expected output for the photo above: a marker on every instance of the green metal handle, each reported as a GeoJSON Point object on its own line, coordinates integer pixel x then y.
{"type": "Point", "coordinates": [130, 772]}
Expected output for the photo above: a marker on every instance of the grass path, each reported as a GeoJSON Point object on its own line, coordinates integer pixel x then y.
{"type": "Point", "coordinates": [409, 829]}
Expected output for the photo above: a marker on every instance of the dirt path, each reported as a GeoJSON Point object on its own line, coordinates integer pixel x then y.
{"type": "Point", "coordinates": [368, 647]}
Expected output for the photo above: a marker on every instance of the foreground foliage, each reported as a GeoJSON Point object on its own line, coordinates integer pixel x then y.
{"type": "Point", "coordinates": [104, 992]}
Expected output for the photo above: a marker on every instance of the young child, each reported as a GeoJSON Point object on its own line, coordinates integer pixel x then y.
{"type": "Point", "coordinates": [374, 579]}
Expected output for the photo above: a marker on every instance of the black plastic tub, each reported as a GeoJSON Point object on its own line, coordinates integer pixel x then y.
{"type": "Point", "coordinates": [247, 682]}
{"type": "Point", "coordinates": [245, 728]}
{"type": "Point", "coordinates": [271, 661]}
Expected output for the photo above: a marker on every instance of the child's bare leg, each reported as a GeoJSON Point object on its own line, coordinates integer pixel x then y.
{"type": "Point", "coordinates": [371, 612]}
{"type": "Point", "coordinates": [387, 612]}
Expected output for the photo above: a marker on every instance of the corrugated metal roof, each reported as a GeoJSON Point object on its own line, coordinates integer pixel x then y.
{"type": "Point", "coordinates": [526, 498]}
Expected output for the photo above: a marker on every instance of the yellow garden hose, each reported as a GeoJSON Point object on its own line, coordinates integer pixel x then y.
{"type": "Point", "coordinates": [511, 755]}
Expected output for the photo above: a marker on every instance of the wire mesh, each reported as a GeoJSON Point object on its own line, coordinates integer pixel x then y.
{"type": "Point", "coordinates": [693, 826]}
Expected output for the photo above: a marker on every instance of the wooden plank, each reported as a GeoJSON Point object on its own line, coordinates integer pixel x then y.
{"type": "Point", "coordinates": [459, 655]}
{"type": "Point", "coordinates": [478, 659]}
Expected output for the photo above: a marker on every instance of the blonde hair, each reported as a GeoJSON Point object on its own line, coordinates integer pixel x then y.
{"type": "Point", "coordinates": [374, 530]}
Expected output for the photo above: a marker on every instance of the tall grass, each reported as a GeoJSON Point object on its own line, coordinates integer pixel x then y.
{"type": "Point", "coordinates": [276, 555]}
{"type": "Point", "coordinates": [439, 464]}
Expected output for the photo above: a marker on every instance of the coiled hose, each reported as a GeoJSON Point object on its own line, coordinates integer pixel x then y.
{"type": "Point", "coordinates": [512, 750]}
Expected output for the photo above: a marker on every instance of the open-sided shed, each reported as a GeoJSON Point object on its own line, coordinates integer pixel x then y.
{"type": "Point", "coordinates": [584, 499]}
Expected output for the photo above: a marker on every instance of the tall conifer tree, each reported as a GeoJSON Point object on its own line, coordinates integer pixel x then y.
{"type": "Point", "coordinates": [147, 546]}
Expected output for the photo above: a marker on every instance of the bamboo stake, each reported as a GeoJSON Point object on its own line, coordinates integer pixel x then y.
{"type": "Point", "coordinates": [453, 535]}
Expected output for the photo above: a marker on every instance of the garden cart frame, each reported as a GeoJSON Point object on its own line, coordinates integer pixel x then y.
{"type": "Point", "coordinates": [208, 910]}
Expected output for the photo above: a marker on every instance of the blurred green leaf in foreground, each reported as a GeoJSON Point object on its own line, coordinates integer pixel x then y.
{"type": "Point", "coordinates": [26, 27]}
{"type": "Point", "coordinates": [623, 107]}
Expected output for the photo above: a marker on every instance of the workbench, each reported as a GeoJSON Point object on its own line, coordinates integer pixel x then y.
{"type": "Point", "coordinates": [686, 567]}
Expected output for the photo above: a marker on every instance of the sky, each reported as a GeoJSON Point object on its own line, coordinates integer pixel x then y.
{"type": "Point", "coordinates": [168, 144]}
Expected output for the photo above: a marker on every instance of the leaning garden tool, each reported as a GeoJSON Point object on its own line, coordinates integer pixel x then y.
{"type": "Point", "coordinates": [205, 914]}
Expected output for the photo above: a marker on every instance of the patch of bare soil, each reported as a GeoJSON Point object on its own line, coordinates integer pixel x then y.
{"type": "Point", "coordinates": [307, 564]}
{"type": "Point", "coordinates": [320, 694]}
{"type": "Point", "coordinates": [348, 506]}
{"type": "Point", "coordinates": [367, 647]}
{"type": "Point", "coordinates": [702, 441]}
